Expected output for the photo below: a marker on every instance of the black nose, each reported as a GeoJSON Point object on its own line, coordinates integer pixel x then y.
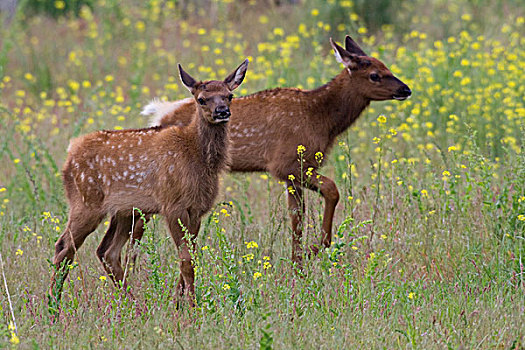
{"type": "Point", "coordinates": [222, 111]}
{"type": "Point", "coordinates": [404, 91]}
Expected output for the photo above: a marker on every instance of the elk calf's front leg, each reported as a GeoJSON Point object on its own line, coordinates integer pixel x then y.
{"type": "Point", "coordinates": [180, 225]}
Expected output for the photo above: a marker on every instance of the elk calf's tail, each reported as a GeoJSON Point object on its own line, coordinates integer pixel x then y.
{"type": "Point", "coordinates": [157, 109]}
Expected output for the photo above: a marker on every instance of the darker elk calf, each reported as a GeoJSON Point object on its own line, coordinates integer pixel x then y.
{"type": "Point", "coordinates": [172, 171]}
{"type": "Point", "coordinates": [267, 127]}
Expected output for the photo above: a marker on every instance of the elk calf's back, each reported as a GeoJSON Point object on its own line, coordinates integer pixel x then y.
{"type": "Point", "coordinates": [172, 171]}
{"type": "Point", "coordinates": [150, 169]}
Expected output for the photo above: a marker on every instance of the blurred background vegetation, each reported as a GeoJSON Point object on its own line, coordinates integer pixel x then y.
{"type": "Point", "coordinates": [429, 247]}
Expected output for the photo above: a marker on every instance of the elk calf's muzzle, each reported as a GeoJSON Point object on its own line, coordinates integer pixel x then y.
{"type": "Point", "coordinates": [403, 93]}
{"type": "Point", "coordinates": [222, 113]}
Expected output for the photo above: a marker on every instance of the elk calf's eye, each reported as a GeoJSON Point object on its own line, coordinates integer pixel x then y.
{"type": "Point", "coordinates": [375, 77]}
{"type": "Point", "coordinates": [201, 101]}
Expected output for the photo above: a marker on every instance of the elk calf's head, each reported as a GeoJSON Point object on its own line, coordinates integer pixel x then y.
{"type": "Point", "coordinates": [376, 80]}
{"type": "Point", "coordinates": [214, 97]}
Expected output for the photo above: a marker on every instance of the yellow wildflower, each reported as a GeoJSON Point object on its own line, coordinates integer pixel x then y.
{"type": "Point", "coordinates": [381, 119]}
{"type": "Point", "coordinates": [252, 244]}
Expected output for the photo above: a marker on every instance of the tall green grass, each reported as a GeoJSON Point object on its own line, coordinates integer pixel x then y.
{"type": "Point", "coordinates": [429, 235]}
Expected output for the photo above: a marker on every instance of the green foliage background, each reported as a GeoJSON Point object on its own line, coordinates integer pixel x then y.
{"type": "Point", "coordinates": [429, 244]}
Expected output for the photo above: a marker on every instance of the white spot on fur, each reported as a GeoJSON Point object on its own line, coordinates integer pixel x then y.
{"type": "Point", "coordinates": [158, 109]}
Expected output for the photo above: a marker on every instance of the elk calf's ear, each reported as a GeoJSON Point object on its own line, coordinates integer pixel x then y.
{"type": "Point", "coordinates": [349, 60]}
{"type": "Point", "coordinates": [186, 79]}
{"type": "Point", "coordinates": [235, 79]}
{"type": "Point", "coordinates": [352, 47]}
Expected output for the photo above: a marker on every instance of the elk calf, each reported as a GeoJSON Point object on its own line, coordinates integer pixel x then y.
{"type": "Point", "coordinates": [172, 171]}
{"type": "Point", "coordinates": [267, 127]}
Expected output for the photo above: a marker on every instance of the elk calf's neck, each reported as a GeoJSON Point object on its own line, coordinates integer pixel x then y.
{"type": "Point", "coordinates": [172, 171]}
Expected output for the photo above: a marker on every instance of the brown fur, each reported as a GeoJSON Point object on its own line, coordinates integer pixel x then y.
{"type": "Point", "coordinates": [267, 127]}
{"type": "Point", "coordinates": [172, 171]}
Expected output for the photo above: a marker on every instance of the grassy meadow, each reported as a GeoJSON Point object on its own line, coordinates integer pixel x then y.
{"type": "Point", "coordinates": [429, 238]}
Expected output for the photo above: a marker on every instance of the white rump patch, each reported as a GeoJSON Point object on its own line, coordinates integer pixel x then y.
{"type": "Point", "coordinates": [158, 109]}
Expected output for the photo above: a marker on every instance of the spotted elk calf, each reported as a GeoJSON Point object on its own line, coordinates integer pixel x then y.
{"type": "Point", "coordinates": [267, 127]}
{"type": "Point", "coordinates": [172, 171]}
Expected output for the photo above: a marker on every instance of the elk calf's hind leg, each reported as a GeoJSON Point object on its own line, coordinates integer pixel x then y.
{"type": "Point", "coordinates": [107, 239]}
{"type": "Point", "coordinates": [330, 193]}
{"type": "Point", "coordinates": [80, 224]}
{"type": "Point", "coordinates": [110, 250]}
{"type": "Point", "coordinates": [139, 224]}
{"type": "Point", "coordinates": [296, 210]}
